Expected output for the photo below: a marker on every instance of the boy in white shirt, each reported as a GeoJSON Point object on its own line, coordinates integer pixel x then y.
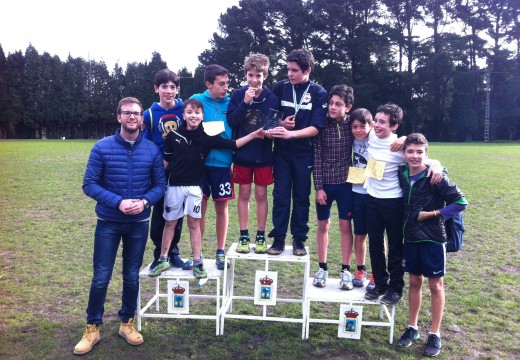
{"type": "Point", "coordinates": [385, 207]}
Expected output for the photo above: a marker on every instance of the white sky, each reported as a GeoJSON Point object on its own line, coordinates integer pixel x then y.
{"type": "Point", "coordinates": [113, 30]}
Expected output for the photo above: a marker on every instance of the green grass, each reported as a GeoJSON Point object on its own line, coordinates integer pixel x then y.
{"type": "Point", "coordinates": [46, 238]}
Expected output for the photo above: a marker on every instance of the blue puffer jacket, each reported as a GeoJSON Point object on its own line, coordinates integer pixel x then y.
{"type": "Point", "coordinates": [117, 171]}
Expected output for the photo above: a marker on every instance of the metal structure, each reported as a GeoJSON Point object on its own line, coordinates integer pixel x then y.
{"type": "Point", "coordinates": [487, 77]}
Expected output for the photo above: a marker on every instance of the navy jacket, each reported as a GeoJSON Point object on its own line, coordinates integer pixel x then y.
{"type": "Point", "coordinates": [117, 171]}
{"type": "Point", "coordinates": [259, 152]}
{"type": "Point", "coordinates": [313, 112]}
{"type": "Point", "coordinates": [423, 196]}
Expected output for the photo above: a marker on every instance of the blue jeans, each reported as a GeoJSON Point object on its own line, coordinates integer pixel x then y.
{"type": "Point", "coordinates": [106, 243]}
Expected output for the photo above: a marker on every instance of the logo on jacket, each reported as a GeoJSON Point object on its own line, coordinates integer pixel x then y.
{"type": "Point", "coordinates": [307, 98]}
{"type": "Point", "coordinates": [168, 123]}
{"type": "Point", "coordinates": [253, 120]}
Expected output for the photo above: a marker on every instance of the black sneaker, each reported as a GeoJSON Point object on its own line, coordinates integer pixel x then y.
{"type": "Point", "coordinates": [433, 345]}
{"type": "Point", "coordinates": [409, 336]}
{"type": "Point", "coordinates": [391, 297]}
{"type": "Point", "coordinates": [299, 248]}
{"type": "Point", "coordinates": [176, 261]}
{"type": "Point", "coordinates": [154, 264]}
{"type": "Point", "coordinates": [375, 294]}
{"type": "Point", "coordinates": [277, 248]}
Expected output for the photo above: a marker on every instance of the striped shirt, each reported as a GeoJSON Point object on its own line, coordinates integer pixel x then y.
{"type": "Point", "coordinates": [333, 153]}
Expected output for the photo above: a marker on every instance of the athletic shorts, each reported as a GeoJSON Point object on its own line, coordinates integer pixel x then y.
{"type": "Point", "coordinates": [342, 194]}
{"type": "Point", "coordinates": [261, 176]}
{"type": "Point", "coordinates": [360, 213]}
{"type": "Point", "coordinates": [177, 196]}
{"type": "Point", "coordinates": [424, 258]}
{"type": "Point", "coordinates": [218, 184]}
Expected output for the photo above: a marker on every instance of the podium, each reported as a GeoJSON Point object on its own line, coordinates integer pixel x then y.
{"type": "Point", "coordinates": [229, 278]}
{"type": "Point", "coordinates": [178, 274]}
{"type": "Point", "coordinates": [332, 293]}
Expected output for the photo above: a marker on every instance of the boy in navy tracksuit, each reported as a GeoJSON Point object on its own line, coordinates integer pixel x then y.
{"type": "Point", "coordinates": [159, 120]}
{"type": "Point", "coordinates": [248, 109]}
{"type": "Point", "coordinates": [305, 104]}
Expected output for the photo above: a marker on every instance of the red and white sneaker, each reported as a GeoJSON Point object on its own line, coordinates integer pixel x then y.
{"type": "Point", "coordinates": [359, 278]}
{"type": "Point", "coordinates": [371, 284]}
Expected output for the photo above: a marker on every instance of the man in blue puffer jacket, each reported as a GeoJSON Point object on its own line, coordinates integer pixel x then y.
{"type": "Point", "coordinates": [125, 175]}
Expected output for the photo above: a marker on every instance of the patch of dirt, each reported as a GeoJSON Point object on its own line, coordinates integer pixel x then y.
{"type": "Point", "coordinates": [344, 354]}
{"type": "Point", "coordinates": [7, 255]}
{"type": "Point", "coordinates": [511, 269]}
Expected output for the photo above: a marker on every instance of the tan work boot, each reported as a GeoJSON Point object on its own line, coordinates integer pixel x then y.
{"type": "Point", "coordinates": [128, 331]}
{"type": "Point", "coordinates": [90, 338]}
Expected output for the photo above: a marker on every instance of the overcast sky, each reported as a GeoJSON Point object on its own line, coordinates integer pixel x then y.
{"type": "Point", "coordinates": [119, 31]}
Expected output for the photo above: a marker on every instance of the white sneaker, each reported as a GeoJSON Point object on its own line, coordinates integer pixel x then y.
{"type": "Point", "coordinates": [345, 282]}
{"type": "Point", "coordinates": [320, 278]}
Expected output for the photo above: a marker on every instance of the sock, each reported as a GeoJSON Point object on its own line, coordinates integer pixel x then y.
{"type": "Point", "coordinates": [362, 267]}
{"type": "Point", "coordinates": [260, 233]}
{"type": "Point", "coordinates": [163, 258]}
{"type": "Point", "coordinates": [244, 233]}
{"type": "Point", "coordinates": [414, 327]}
{"type": "Point", "coordinates": [197, 262]}
{"type": "Point", "coordinates": [343, 267]}
{"type": "Point", "coordinates": [437, 333]}
{"type": "Point", "coordinates": [323, 266]}
{"type": "Point", "coordinates": [219, 251]}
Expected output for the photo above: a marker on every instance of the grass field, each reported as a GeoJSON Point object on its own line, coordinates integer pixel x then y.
{"type": "Point", "coordinates": [46, 239]}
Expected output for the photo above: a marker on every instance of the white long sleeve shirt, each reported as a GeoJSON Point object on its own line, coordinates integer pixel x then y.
{"type": "Point", "coordinates": [379, 150]}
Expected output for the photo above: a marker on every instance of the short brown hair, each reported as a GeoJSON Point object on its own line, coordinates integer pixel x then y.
{"type": "Point", "coordinates": [212, 71]}
{"type": "Point", "coordinates": [128, 100]}
{"type": "Point", "coordinates": [417, 139]}
{"type": "Point", "coordinates": [257, 61]}
{"type": "Point", "coordinates": [393, 111]}
{"type": "Point", "coordinates": [194, 103]}
{"type": "Point", "coordinates": [362, 115]}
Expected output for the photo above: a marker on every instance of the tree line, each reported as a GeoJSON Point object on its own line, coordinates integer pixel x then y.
{"type": "Point", "coordinates": [450, 64]}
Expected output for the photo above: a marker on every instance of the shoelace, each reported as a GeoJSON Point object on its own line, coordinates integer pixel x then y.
{"type": "Point", "coordinates": [433, 340]}
{"type": "Point", "coordinates": [320, 275]}
{"type": "Point", "coordinates": [130, 327]}
{"type": "Point", "coordinates": [345, 276]}
{"type": "Point", "coordinates": [408, 333]}
{"type": "Point", "coordinates": [88, 332]}
{"type": "Point", "coordinates": [358, 275]}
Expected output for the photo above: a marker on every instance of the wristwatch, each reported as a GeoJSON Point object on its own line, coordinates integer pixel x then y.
{"type": "Point", "coordinates": [145, 203]}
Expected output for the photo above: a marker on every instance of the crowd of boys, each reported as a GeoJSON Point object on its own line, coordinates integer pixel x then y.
{"type": "Point", "coordinates": [313, 136]}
